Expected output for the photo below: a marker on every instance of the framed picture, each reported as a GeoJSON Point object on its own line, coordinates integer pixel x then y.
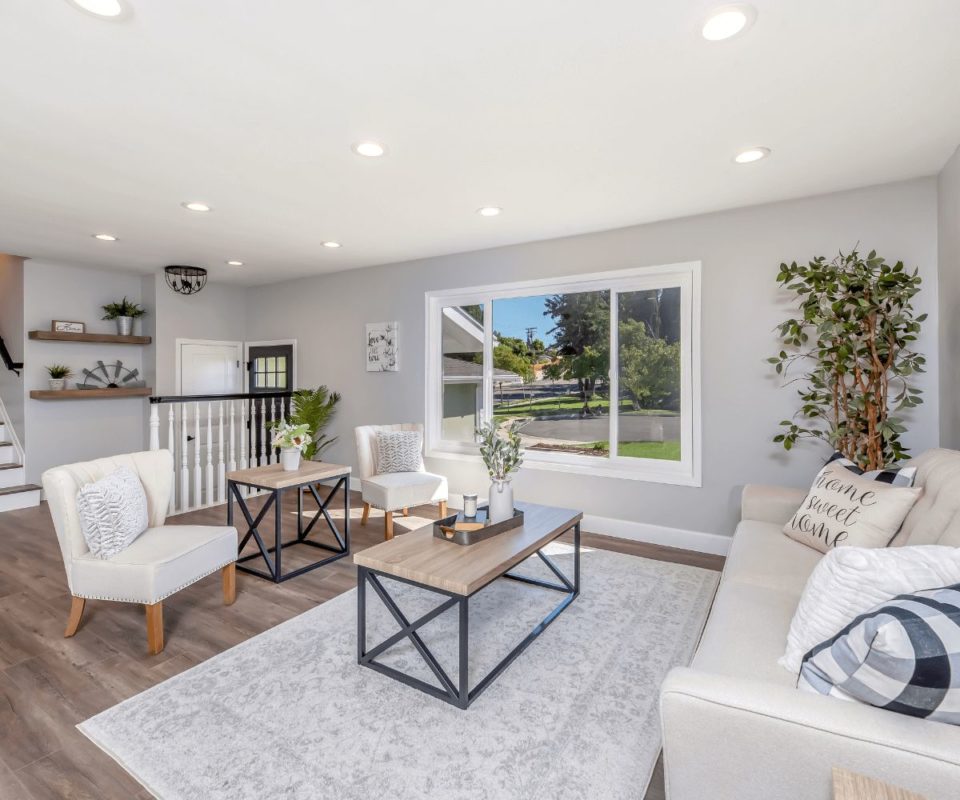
{"type": "Point", "coordinates": [63, 326]}
{"type": "Point", "coordinates": [383, 347]}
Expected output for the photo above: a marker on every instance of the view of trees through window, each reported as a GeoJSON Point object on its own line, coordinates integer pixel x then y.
{"type": "Point", "coordinates": [552, 360]}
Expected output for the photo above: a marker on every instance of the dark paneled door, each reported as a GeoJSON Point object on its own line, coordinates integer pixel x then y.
{"type": "Point", "coordinates": [270, 370]}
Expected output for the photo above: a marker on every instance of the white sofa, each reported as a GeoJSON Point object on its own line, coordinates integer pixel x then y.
{"type": "Point", "coordinates": [734, 725]}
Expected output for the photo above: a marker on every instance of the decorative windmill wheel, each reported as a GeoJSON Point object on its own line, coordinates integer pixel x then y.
{"type": "Point", "coordinates": [111, 376]}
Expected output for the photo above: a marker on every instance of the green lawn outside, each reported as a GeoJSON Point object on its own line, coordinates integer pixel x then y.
{"type": "Point", "coordinates": [665, 451]}
{"type": "Point", "coordinates": [545, 406]}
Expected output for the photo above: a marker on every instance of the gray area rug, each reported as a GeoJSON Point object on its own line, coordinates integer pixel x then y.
{"type": "Point", "coordinates": [289, 714]}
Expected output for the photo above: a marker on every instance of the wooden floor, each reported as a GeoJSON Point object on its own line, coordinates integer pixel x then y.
{"type": "Point", "coordinates": [48, 684]}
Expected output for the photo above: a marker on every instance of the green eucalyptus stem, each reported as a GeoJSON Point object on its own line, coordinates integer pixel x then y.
{"type": "Point", "coordinates": [501, 453]}
{"type": "Point", "coordinates": [853, 338]}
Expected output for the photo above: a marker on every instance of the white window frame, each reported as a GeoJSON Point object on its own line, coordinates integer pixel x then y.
{"type": "Point", "coordinates": [686, 472]}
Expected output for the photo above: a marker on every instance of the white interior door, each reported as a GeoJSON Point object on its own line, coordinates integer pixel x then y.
{"type": "Point", "coordinates": [208, 368]}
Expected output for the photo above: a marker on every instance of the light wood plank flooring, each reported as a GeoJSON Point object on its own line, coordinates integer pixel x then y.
{"type": "Point", "coordinates": [48, 684]}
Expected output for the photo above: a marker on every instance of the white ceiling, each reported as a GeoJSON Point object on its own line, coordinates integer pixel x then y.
{"type": "Point", "coordinates": [573, 115]}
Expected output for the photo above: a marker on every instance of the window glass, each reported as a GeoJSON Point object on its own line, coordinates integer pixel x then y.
{"type": "Point", "coordinates": [462, 371]}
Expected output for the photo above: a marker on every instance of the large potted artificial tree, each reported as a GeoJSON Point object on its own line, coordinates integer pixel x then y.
{"type": "Point", "coordinates": [853, 339]}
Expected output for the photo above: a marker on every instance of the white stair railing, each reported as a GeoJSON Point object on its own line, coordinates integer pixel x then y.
{"type": "Point", "coordinates": [211, 436]}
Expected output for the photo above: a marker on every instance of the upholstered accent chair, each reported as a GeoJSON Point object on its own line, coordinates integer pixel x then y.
{"type": "Point", "coordinates": [395, 491]}
{"type": "Point", "coordinates": [163, 560]}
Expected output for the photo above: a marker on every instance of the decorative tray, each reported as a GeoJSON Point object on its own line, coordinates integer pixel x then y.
{"type": "Point", "coordinates": [459, 529]}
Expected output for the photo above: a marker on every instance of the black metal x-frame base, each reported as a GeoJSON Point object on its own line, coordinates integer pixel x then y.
{"type": "Point", "coordinates": [459, 694]}
{"type": "Point", "coordinates": [275, 500]}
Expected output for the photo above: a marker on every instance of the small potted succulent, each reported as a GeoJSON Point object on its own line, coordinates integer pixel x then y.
{"type": "Point", "coordinates": [502, 454]}
{"type": "Point", "coordinates": [124, 313]}
{"type": "Point", "coordinates": [58, 376]}
{"type": "Point", "coordinates": [291, 439]}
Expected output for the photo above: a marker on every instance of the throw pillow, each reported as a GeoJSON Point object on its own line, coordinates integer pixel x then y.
{"type": "Point", "coordinates": [895, 476]}
{"type": "Point", "coordinates": [399, 451]}
{"type": "Point", "coordinates": [849, 581]}
{"type": "Point", "coordinates": [843, 509]}
{"type": "Point", "coordinates": [113, 512]}
{"type": "Point", "coordinates": [896, 656]}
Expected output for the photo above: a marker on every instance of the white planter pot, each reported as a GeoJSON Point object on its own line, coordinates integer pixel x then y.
{"type": "Point", "coordinates": [290, 459]}
{"type": "Point", "coordinates": [56, 384]}
{"type": "Point", "coordinates": [124, 326]}
{"type": "Point", "coordinates": [500, 506]}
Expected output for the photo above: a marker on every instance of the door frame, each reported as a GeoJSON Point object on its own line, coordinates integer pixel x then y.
{"type": "Point", "coordinates": [268, 343]}
{"type": "Point", "coordinates": [178, 345]}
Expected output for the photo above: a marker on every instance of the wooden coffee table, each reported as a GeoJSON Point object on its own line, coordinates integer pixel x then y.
{"type": "Point", "coordinates": [459, 572]}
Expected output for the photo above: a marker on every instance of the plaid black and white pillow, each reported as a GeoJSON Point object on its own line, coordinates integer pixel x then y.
{"type": "Point", "coordinates": [895, 476]}
{"type": "Point", "coordinates": [399, 451]}
{"type": "Point", "coordinates": [897, 656]}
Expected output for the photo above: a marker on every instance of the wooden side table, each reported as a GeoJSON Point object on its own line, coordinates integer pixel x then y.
{"type": "Point", "coordinates": [854, 786]}
{"type": "Point", "coordinates": [275, 480]}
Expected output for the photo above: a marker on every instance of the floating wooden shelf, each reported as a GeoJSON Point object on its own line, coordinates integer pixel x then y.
{"type": "Point", "coordinates": [87, 394]}
{"type": "Point", "coordinates": [97, 338]}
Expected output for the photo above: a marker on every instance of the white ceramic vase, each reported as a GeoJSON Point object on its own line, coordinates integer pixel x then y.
{"type": "Point", "coordinates": [56, 383]}
{"type": "Point", "coordinates": [290, 458]}
{"type": "Point", "coordinates": [500, 505]}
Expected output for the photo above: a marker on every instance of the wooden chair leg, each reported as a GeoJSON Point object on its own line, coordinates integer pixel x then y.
{"type": "Point", "coordinates": [154, 628]}
{"type": "Point", "coordinates": [366, 514]}
{"type": "Point", "coordinates": [229, 573]}
{"type": "Point", "coordinates": [388, 525]}
{"type": "Point", "coordinates": [443, 508]}
{"type": "Point", "coordinates": [76, 612]}
{"type": "Point", "coordinates": [406, 512]}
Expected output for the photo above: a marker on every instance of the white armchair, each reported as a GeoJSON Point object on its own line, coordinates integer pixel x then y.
{"type": "Point", "coordinates": [161, 561]}
{"type": "Point", "coordinates": [395, 491]}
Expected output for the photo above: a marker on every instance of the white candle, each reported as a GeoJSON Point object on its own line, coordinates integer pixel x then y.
{"type": "Point", "coordinates": [469, 505]}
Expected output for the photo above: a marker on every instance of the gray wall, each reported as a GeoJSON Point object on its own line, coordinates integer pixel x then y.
{"type": "Point", "coordinates": [11, 329]}
{"type": "Point", "coordinates": [948, 186]}
{"type": "Point", "coordinates": [63, 431]}
{"type": "Point", "coordinates": [742, 401]}
{"type": "Point", "coordinates": [217, 313]}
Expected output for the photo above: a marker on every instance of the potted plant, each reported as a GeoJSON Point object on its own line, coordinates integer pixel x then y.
{"type": "Point", "coordinates": [315, 409]}
{"type": "Point", "coordinates": [124, 313]}
{"type": "Point", "coordinates": [58, 376]}
{"type": "Point", "coordinates": [291, 439]}
{"type": "Point", "coordinates": [855, 333]}
{"type": "Point", "coordinates": [502, 454]}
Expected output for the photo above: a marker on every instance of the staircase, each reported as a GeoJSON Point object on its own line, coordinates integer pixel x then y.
{"type": "Point", "coordinates": [14, 493]}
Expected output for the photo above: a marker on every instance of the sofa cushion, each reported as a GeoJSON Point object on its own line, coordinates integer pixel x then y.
{"type": "Point", "coordinates": [113, 512]}
{"type": "Point", "coordinates": [935, 519]}
{"type": "Point", "coordinates": [762, 555]}
{"type": "Point", "coordinates": [160, 562]}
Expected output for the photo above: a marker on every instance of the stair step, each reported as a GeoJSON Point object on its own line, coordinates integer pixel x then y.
{"type": "Point", "coordinates": [27, 487]}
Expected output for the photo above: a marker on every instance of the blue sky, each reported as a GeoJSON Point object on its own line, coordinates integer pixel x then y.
{"type": "Point", "coordinates": [512, 316]}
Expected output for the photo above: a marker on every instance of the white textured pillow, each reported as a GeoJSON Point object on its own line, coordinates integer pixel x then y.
{"type": "Point", "coordinates": [399, 451]}
{"type": "Point", "coordinates": [849, 581]}
{"type": "Point", "coordinates": [113, 512]}
{"type": "Point", "coordinates": [843, 509]}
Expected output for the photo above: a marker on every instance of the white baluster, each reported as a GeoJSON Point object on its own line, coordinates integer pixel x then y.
{"type": "Point", "coordinates": [154, 426]}
{"type": "Point", "coordinates": [221, 468]}
{"type": "Point", "coordinates": [264, 449]}
{"type": "Point", "coordinates": [172, 444]}
{"type": "Point", "coordinates": [197, 475]}
{"type": "Point", "coordinates": [232, 463]}
{"type": "Point", "coordinates": [184, 469]}
{"type": "Point", "coordinates": [208, 485]}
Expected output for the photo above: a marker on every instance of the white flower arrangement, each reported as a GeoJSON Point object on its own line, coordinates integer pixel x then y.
{"type": "Point", "coordinates": [289, 436]}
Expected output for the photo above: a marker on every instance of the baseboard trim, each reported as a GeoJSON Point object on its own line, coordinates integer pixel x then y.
{"type": "Point", "coordinates": [701, 542]}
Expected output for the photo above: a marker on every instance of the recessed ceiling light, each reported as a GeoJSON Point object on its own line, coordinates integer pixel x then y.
{"type": "Point", "coordinates": [196, 206]}
{"type": "Point", "coordinates": [489, 211]}
{"type": "Point", "coordinates": [105, 237]}
{"type": "Point", "coordinates": [110, 9]}
{"type": "Point", "coordinates": [728, 21]}
{"type": "Point", "coordinates": [332, 245]}
{"type": "Point", "coordinates": [235, 263]}
{"type": "Point", "coordinates": [751, 154]}
{"type": "Point", "coordinates": [369, 149]}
